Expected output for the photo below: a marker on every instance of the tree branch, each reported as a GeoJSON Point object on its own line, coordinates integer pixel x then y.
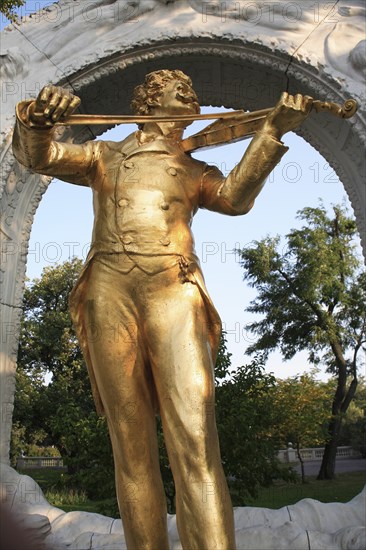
{"type": "Point", "coordinates": [318, 312]}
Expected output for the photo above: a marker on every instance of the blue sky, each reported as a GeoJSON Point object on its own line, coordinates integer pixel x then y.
{"type": "Point", "coordinates": [63, 223]}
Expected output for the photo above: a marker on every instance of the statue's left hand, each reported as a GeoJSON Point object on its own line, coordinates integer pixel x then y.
{"type": "Point", "coordinates": [287, 115]}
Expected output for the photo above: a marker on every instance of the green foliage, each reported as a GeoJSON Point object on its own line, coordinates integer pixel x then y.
{"type": "Point", "coordinates": [310, 292]}
{"type": "Point", "coordinates": [62, 412]}
{"type": "Point", "coordinates": [60, 497]}
{"type": "Point", "coordinates": [223, 362]}
{"type": "Point", "coordinates": [302, 405]}
{"type": "Point", "coordinates": [353, 430]}
{"type": "Point", "coordinates": [27, 431]}
{"type": "Point", "coordinates": [166, 472]}
{"type": "Point", "coordinates": [17, 443]}
{"type": "Point", "coordinates": [8, 7]}
{"type": "Point", "coordinates": [245, 414]}
{"type": "Point", "coordinates": [88, 452]}
{"type": "Point", "coordinates": [48, 342]}
{"type": "Point", "coordinates": [312, 296]}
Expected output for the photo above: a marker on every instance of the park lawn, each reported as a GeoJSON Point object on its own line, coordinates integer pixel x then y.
{"type": "Point", "coordinates": [45, 477]}
{"type": "Point", "coordinates": [61, 497]}
{"type": "Point", "coordinates": [341, 489]}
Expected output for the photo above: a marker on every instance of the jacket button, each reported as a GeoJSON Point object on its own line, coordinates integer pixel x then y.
{"type": "Point", "coordinates": [164, 206]}
{"type": "Point", "coordinates": [128, 164]}
{"type": "Point", "coordinates": [172, 171]}
{"type": "Point", "coordinates": [165, 241]}
{"type": "Point", "coordinates": [122, 202]}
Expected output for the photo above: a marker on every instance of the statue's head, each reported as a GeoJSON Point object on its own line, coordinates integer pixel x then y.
{"type": "Point", "coordinates": [165, 91]}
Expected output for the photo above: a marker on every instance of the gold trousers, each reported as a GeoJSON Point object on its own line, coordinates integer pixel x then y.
{"type": "Point", "coordinates": [149, 344]}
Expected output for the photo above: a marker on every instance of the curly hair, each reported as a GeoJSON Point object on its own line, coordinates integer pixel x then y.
{"type": "Point", "coordinates": [145, 94]}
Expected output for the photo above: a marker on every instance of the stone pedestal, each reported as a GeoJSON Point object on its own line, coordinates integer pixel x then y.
{"type": "Point", "coordinates": [307, 525]}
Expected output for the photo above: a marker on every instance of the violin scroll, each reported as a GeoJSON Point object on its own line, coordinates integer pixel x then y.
{"type": "Point", "coordinates": [346, 110]}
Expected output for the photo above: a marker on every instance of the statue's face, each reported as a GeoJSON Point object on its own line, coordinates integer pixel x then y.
{"type": "Point", "coordinates": [177, 98]}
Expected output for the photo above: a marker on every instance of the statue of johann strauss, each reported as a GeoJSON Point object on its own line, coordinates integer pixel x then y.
{"type": "Point", "coordinates": [147, 327]}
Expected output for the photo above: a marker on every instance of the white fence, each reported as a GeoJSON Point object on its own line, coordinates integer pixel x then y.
{"type": "Point", "coordinates": [27, 462]}
{"type": "Point", "coordinates": [290, 454]}
{"type": "Point", "coordinates": [284, 455]}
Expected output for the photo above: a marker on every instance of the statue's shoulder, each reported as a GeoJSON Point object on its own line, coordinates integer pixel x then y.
{"type": "Point", "coordinates": [196, 163]}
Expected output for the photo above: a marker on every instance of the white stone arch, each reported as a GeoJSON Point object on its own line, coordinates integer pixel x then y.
{"type": "Point", "coordinates": [236, 59]}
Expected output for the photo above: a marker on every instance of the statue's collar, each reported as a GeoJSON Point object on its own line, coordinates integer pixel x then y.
{"type": "Point", "coordinates": [152, 143]}
{"type": "Point", "coordinates": [157, 134]}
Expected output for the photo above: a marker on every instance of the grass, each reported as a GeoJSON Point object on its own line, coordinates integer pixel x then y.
{"type": "Point", "coordinates": [46, 478]}
{"type": "Point", "coordinates": [67, 499]}
{"type": "Point", "coordinates": [87, 506]}
{"type": "Point", "coordinates": [341, 489]}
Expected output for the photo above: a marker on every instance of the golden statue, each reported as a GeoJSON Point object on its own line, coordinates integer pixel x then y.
{"type": "Point", "coordinates": [147, 327]}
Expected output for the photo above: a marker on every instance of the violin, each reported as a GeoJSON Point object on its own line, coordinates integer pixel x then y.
{"type": "Point", "coordinates": [229, 127]}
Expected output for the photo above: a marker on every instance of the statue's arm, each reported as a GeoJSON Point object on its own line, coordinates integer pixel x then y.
{"type": "Point", "coordinates": [235, 194]}
{"type": "Point", "coordinates": [34, 145]}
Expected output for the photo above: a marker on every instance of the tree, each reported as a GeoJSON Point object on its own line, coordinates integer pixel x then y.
{"type": "Point", "coordinates": [246, 416]}
{"type": "Point", "coordinates": [302, 404]}
{"type": "Point", "coordinates": [53, 399]}
{"type": "Point", "coordinates": [8, 7]}
{"type": "Point", "coordinates": [27, 431]}
{"type": "Point", "coordinates": [312, 296]}
{"type": "Point", "coordinates": [48, 348]}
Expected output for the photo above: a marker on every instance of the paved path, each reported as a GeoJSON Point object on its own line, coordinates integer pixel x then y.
{"type": "Point", "coordinates": [343, 465]}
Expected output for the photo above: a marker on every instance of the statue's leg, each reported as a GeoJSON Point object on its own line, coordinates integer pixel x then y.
{"type": "Point", "coordinates": [127, 390]}
{"type": "Point", "coordinates": [183, 371]}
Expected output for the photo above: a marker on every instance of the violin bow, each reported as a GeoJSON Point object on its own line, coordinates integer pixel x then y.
{"type": "Point", "coordinates": [228, 127]}
{"type": "Point", "coordinates": [73, 120]}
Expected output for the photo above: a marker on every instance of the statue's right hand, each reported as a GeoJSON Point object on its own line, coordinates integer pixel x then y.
{"type": "Point", "coordinates": [51, 104]}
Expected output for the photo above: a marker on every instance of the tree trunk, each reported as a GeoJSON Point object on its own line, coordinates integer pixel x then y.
{"type": "Point", "coordinates": [301, 463]}
{"type": "Point", "coordinates": [341, 402]}
{"type": "Point", "coordinates": [327, 468]}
